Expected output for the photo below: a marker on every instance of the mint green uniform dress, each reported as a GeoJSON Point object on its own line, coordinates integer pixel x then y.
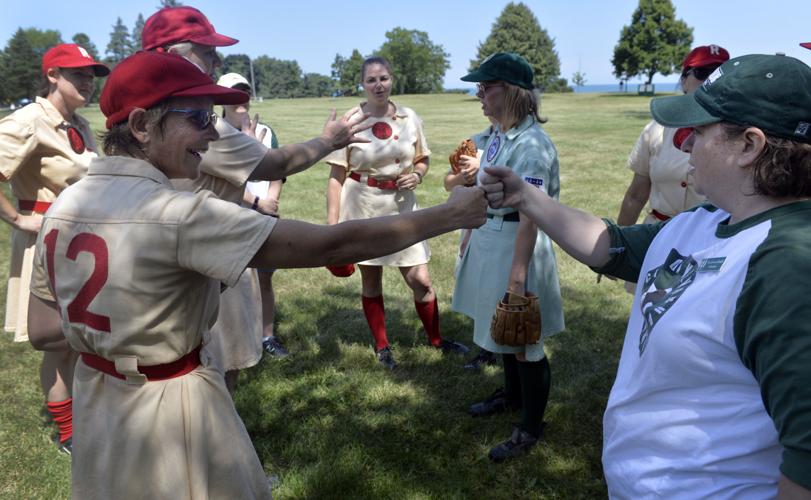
{"type": "Point", "coordinates": [484, 270]}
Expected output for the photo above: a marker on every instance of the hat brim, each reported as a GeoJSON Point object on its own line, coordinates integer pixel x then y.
{"type": "Point", "coordinates": [220, 94]}
{"type": "Point", "coordinates": [98, 68]}
{"type": "Point", "coordinates": [807, 45]}
{"type": "Point", "coordinates": [680, 111]}
{"type": "Point", "coordinates": [478, 76]}
{"type": "Point", "coordinates": [214, 40]}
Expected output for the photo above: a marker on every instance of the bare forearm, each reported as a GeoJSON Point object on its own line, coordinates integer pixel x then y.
{"type": "Point", "coordinates": [335, 185]}
{"type": "Point", "coordinates": [789, 490]}
{"type": "Point", "coordinates": [290, 159]}
{"type": "Point", "coordinates": [581, 235]}
{"type": "Point", "coordinates": [524, 246]}
{"type": "Point", "coordinates": [452, 180]}
{"type": "Point", "coordinates": [275, 190]}
{"type": "Point", "coordinates": [8, 213]}
{"type": "Point", "coordinates": [633, 202]}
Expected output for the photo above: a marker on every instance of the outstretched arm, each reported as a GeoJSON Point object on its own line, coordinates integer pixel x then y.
{"type": "Point", "coordinates": [293, 158]}
{"type": "Point", "coordinates": [581, 235]}
{"type": "Point", "coordinates": [299, 244]}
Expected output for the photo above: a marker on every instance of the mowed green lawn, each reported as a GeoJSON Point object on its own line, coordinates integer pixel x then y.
{"type": "Point", "coordinates": [328, 421]}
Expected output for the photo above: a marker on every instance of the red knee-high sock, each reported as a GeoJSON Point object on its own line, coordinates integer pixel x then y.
{"type": "Point", "coordinates": [429, 314]}
{"type": "Point", "coordinates": [62, 414]}
{"type": "Point", "coordinates": [376, 317]}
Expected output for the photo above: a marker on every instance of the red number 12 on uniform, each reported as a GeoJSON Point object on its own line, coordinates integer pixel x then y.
{"type": "Point", "coordinates": [77, 309]}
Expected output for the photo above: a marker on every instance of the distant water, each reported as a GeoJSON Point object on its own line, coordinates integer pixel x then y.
{"type": "Point", "coordinates": [631, 88]}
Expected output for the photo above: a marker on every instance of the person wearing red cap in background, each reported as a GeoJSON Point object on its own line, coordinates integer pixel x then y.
{"type": "Point", "coordinates": [44, 147]}
{"type": "Point", "coordinates": [807, 45]}
{"type": "Point", "coordinates": [230, 162]}
{"type": "Point", "coordinates": [153, 416]}
{"type": "Point", "coordinates": [661, 170]}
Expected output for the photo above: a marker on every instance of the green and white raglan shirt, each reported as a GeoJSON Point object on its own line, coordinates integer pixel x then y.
{"type": "Point", "coordinates": [713, 393]}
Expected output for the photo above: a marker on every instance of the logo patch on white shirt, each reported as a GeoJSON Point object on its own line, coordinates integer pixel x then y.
{"type": "Point", "coordinates": [711, 265]}
{"type": "Point", "coordinates": [535, 181]}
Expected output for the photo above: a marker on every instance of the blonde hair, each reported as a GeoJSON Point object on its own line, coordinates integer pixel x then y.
{"type": "Point", "coordinates": [520, 102]}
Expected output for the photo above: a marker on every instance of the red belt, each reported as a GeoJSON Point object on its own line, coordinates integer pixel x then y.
{"type": "Point", "coordinates": [174, 369]}
{"type": "Point", "coordinates": [372, 182]}
{"type": "Point", "coordinates": [659, 215]}
{"type": "Point", "coordinates": [39, 207]}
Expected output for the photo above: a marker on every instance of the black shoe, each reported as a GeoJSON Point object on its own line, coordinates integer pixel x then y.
{"type": "Point", "coordinates": [484, 357]}
{"type": "Point", "coordinates": [386, 358]}
{"type": "Point", "coordinates": [449, 346]}
{"type": "Point", "coordinates": [495, 403]}
{"type": "Point", "coordinates": [66, 448]}
{"type": "Point", "coordinates": [519, 443]}
{"type": "Point", "coordinates": [272, 346]}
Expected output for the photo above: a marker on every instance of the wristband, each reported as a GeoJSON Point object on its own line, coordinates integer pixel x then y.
{"type": "Point", "coordinates": [419, 176]}
{"type": "Point", "coordinates": [255, 203]}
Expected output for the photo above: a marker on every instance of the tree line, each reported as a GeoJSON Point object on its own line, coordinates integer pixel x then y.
{"type": "Point", "coordinates": [654, 42]}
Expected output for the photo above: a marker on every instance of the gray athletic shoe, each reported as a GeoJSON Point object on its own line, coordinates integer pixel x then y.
{"type": "Point", "coordinates": [66, 448]}
{"type": "Point", "coordinates": [519, 443]}
{"type": "Point", "coordinates": [272, 346]}
{"type": "Point", "coordinates": [386, 358]}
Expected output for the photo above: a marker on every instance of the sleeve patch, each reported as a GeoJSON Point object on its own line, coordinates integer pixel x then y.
{"type": "Point", "coordinates": [535, 181]}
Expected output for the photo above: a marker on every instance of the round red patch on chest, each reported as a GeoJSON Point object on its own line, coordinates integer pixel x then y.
{"type": "Point", "coordinates": [76, 140]}
{"type": "Point", "coordinates": [680, 136]}
{"type": "Point", "coordinates": [381, 130]}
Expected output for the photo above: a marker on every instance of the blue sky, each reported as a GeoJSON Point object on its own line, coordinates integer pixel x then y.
{"type": "Point", "coordinates": [313, 31]}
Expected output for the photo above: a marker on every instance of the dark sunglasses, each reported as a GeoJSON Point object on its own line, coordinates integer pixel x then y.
{"type": "Point", "coordinates": [202, 118]}
{"type": "Point", "coordinates": [701, 73]}
{"type": "Point", "coordinates": [481, 88]}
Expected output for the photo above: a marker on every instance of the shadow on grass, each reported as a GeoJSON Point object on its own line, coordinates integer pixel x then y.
{"type": "Point", "coordinates": [331, 422]}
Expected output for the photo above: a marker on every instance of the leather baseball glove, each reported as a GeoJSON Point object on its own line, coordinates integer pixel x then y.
{"type": "Point", "coordinates": [517, 320]}
{"type": "Point", "coordinates": [467, 148]}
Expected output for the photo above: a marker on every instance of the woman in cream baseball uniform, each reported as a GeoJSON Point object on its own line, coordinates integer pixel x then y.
{"type": "Point", "coordinates": [153, 416]}
{"type": "Point", "coordinates": [44, 147]}
{"type": "Point", "coordinates": [662, 176]}
{"type": "Point", "coordinates": [379, 178]}
{"type": "Point", "coordinates": [509, 253]}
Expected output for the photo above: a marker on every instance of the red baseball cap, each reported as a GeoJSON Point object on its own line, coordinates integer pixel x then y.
{"type": "Point", "coordinates": [70, 55]}
{"type": "Point", "coordinates": [147, 78]}
{"type": "Point", "coordinates": [705, 55]}
{"type": "Point", "coordinates": [181, 24]}
{"type": "Point", "coordinates": [807, 45]}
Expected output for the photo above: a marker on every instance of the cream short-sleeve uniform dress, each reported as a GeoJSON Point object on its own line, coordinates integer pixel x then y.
{"type": "Point", "coordinates": [40, 155]}
{"type": "Point", "coordinates": [136, 275]}
{"type": "Point", "coordinates": [397, 142]}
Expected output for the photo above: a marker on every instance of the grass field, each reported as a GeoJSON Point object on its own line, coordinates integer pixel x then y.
{"type": "Point", "coordinates": [328, 422]}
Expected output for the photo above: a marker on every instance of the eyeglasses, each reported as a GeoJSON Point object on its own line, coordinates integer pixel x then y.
{"type": "Point", "coordinates": [481, 88]}
{"type": "Point", "coordinates": [701, 73]}
{"type": "Point", "coordinates": [202, 118]}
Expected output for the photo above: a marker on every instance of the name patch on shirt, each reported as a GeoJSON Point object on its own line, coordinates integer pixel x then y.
{"type": "Point", "coordinates": [535, 181]}
{"type": "Point", "coordinates": [711, 265]}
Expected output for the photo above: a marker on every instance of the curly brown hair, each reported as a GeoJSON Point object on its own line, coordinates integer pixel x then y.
{"type": "Point", "coordinates": [119, 141]}
{"type": "Point", "coordinates": [783, 168]}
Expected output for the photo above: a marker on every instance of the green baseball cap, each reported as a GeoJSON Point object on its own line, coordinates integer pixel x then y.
{"type": "Point", "coordinates": [505, 66]}
{"type": "Point", "coordinates": [770, 92]}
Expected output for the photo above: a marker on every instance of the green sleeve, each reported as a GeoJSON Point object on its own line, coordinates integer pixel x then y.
{"type": "Point", "coordinates": [629, 244]}
{"type": "Point", "coordinates": [772, 328]}
{"type": "Point", "coordinates": [274, 141]}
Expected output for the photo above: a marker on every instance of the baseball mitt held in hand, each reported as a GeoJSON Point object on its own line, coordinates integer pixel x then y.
{"type": "Point", "coordinates": [467, 148]}
{"type": "Point", "coordinates": [517, 320]}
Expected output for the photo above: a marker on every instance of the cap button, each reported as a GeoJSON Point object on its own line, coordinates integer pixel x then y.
{"type": "Point", "coordinates": [397, 160]}
{"type": "Point", "coordinates": [683, 184]}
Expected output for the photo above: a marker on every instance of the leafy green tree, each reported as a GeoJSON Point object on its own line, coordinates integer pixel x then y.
{"type": "Point", "coordinates": [418, 65]}
{"type": "Point", "coordinates": [277, 78]}
{"type": "Point", "coordinates": [120, 45]}
{"type": "Point", "coordinates": [517, 30]}
{"type": "Point", "coordinates": [21, 71]}
{"type": "Point", "coordinates": [654, 42]}
{"type": "Point", "coordinates": [237, 63]}
{"type": "Point", "coordinates": [316, 85]}
{"type": "Point", "coordinates": [136, 33]}
{"type": "Point", "coordinates": [42, 40]}
{"type": "Point", "coordinates": [169, 3]}
{"type": "Point", "coordinates": [578, 78]}
{"type": "Point", "coordinates": [346, 73]}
